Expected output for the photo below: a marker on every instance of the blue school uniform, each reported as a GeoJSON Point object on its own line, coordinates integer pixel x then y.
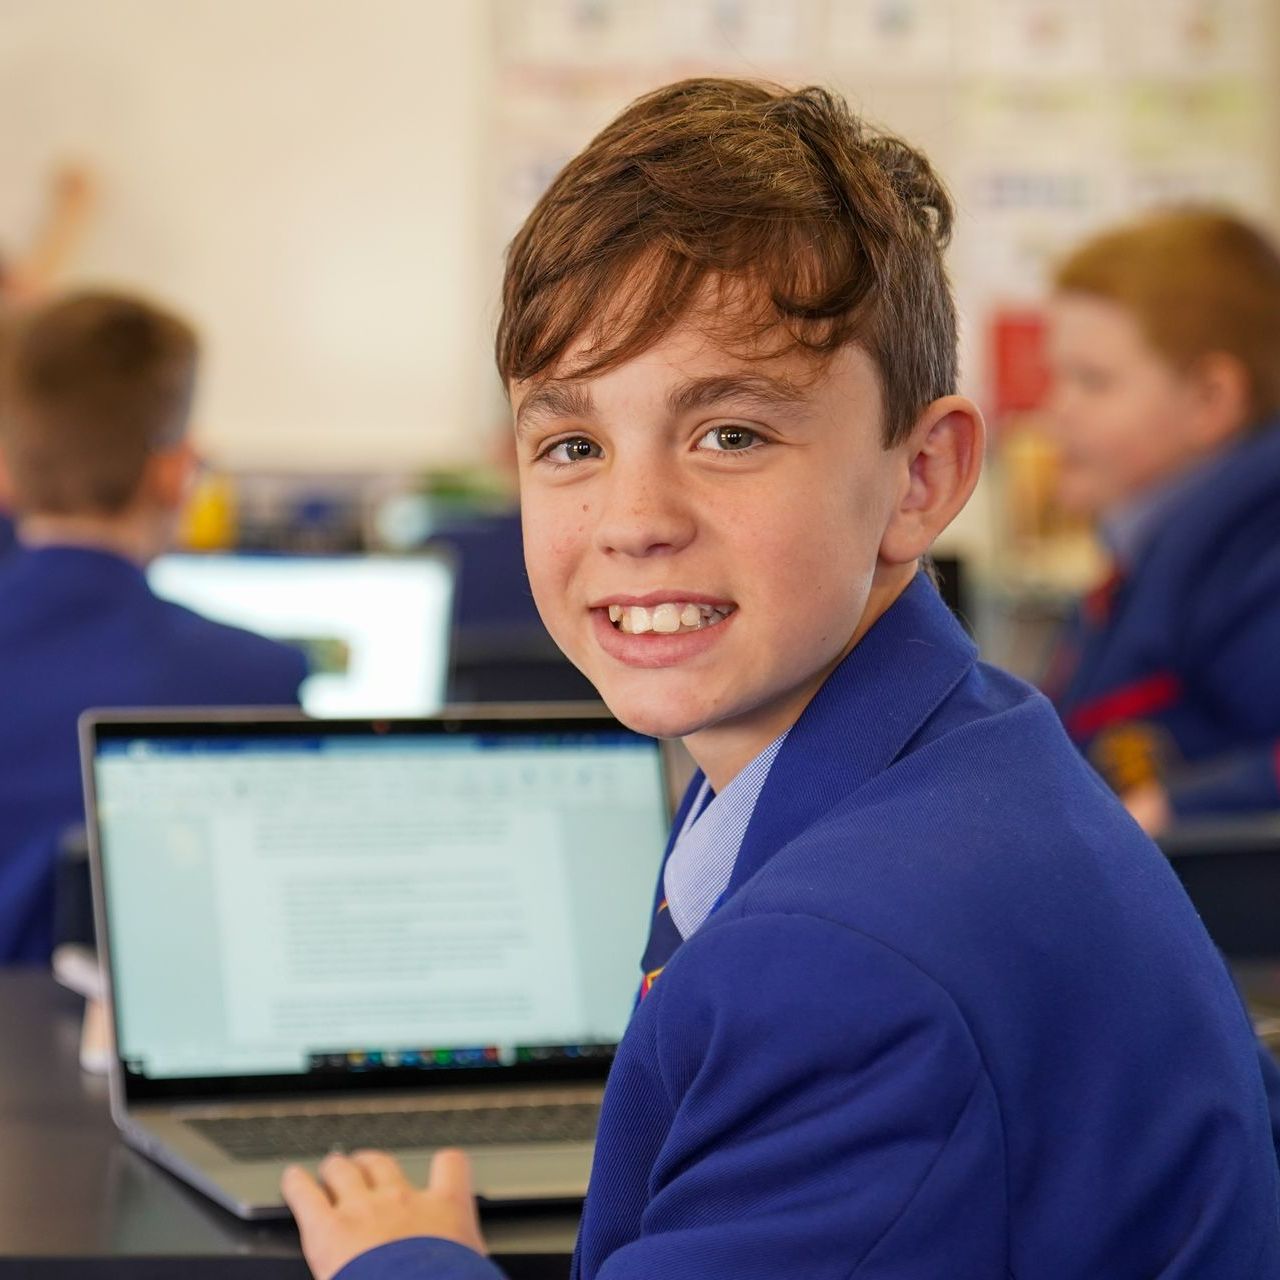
{"type": "Point", "coordinates": [1170, 670]}
{"type": "Point", "coordinates": [80, 628]}
{"type": "Point", "coordinates": [953, 1016]}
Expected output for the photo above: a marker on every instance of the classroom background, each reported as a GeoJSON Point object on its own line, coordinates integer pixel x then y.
{"type": "Point", "coordinates": [326, 189]}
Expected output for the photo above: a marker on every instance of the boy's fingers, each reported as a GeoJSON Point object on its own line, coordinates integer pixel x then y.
{"type": "Point", "coordinates": [341, 1175]}
{"type": "Point", "coordinates": [305, 1197]}
{"type": "Point", "coordinates": [450, 1175]}
{"type": "Point", "coordinates": [380, 1169]}
{"type": "Point", "coordinates": [451, 1178]}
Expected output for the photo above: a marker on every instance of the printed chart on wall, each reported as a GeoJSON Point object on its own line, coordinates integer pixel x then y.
{"type": "Point", "coordinates": [1047, 118]}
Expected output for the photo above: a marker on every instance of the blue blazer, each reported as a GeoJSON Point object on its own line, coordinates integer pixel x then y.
{"type": "Point", "coordinates": [1176, 661]}
{"type": "Point", "coordinates": [954, 1018]}
{"type": "Point", "coordinates": [81, 629]}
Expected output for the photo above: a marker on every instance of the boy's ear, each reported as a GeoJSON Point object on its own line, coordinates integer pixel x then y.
{"type": "Point", "coordinates": [169, 476]}
{"type": "Point", "coordinates": [942, 459]}
{"type": "Point", "coordinates": [1222, 395]}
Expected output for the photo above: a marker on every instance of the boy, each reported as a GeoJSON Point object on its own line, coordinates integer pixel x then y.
{"type": "Point", "coordinates": [920, 1001]}
{"type": "Point", "coordinates": [95, 394]}
{"type": "Point", "coordinates": [1167, 398]}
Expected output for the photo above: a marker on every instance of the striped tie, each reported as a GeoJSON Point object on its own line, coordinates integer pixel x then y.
{"type": "Point", "coordinates": [664, 938]}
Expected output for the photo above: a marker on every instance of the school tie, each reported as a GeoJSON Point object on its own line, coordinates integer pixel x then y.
{"type": "Point", "coordinates": [664, 938]}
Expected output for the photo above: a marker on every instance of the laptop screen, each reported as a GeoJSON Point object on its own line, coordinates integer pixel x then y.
{"type": "Point", "coordinates": [375, 629]}
{"type": "Point", "coordinates": [318, 901]}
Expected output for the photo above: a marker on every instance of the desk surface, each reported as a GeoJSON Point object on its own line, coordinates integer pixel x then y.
{"type": "Point", "coordinates": [75, 1201]}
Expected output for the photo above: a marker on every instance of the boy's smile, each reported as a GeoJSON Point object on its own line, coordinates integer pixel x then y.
{"type": "Point", "coordinates": [660, 629]}
{"type": "Point", "coordinates": [703, 532]}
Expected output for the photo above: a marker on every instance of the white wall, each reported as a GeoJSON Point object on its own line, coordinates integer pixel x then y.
{"type": "Point", "coordinates": [303, 177]}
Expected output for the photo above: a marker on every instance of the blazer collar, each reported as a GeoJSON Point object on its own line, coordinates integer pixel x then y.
{"type": "Point", "coordinates": [1234, 488]}
{"type": "Point", "coordinates": [857, 724]}
{"type": "Point", "coordinates": [84, 572]}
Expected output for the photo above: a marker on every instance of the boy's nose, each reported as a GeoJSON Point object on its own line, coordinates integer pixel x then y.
{"type": "Point", "coordinates": [1060, 406]}
{"type": "Point", "coordinates": [647, 515]}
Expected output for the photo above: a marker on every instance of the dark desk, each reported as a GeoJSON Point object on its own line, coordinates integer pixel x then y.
{"type": "Point", "coordinates": [76, 1202]}
{"type": "Point", "coordinates": [1230, 869]}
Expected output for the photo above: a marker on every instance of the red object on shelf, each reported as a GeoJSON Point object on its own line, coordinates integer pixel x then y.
{"type": "Point", "coordinates": [1019, 364]}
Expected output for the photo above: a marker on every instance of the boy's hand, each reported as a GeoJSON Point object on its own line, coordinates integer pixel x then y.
{"type": "Point", "coordinates": [1149, 807]}
{"type": "Point", "coordinates": [366, 1201]}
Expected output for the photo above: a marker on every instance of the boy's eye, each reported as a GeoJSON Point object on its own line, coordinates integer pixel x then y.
{"type": "Point", "coordinates": [1087, 377]}
{"type": "Point", "coordinates": [575, 449]}
{"type": "Point", "coordinates": [728, 439]}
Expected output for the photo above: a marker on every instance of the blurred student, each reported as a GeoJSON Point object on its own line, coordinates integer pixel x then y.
{"type": "Point", "coordinates": [95, 394]}
{"type": "Point", "coordinates": [27, 277]}
{"type": "Point", "coordinates": [1166, 355]}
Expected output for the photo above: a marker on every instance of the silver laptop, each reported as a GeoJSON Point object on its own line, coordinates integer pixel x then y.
{"type": "Point", "coordinates": [330, 935]}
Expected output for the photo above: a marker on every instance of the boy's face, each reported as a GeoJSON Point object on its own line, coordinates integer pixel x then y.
{"type": "Point", "coordinates": [702, 530]}
{"type": "Point", "coordinates": [1120, 413]}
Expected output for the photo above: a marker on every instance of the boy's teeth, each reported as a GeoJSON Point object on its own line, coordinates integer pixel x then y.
{"type": "Point", "coordinates": [666, 618]}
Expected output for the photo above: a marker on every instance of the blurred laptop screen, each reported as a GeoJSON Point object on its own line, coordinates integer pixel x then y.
{"type": "Point", "coordinates": [375, 629]}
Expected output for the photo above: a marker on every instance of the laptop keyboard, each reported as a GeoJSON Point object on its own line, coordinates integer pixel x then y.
{"type": "Point", "coordinates": [310, 1136]}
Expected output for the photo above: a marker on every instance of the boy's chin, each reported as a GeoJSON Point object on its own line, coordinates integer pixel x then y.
{"type": "Point", "coordinates": [1085, 497]}
{"type": "Point", "coordinates": [652, 718]}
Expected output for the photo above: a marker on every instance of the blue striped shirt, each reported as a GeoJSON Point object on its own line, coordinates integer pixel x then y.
{"type": "Point", "coordinates": [701, 862]}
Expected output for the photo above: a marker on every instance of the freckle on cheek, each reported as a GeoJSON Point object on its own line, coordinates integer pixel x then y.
{"type": "Point", "coordinates": [586, 506]}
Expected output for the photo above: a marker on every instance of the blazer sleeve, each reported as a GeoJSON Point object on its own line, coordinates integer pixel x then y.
{"type": "Point", "coordinates": [420, 1258]}
{"type": "Point", "coordinates": [819, 1126]}
{"type": "Point", "coordinates": [1271, 1083]}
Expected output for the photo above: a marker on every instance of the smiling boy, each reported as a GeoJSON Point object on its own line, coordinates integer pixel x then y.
{"type": "Point", "coordinates": [919, 999]}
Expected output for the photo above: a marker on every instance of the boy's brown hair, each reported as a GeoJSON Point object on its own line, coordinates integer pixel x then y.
{"type": "Point", "coordinates": [1199, 280]}
{"type": "Point", "coordinates": [835, 229]}
{"type": "Point", "coordinates": [90, 385]}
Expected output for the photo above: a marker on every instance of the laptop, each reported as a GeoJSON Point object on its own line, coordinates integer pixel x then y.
{"type": "Point", "coordinates": [376, 629]}
{"type": "Point", "coordinates": [401, 934]}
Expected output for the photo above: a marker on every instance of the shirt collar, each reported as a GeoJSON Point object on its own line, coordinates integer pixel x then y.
{"type": "Point", "coordinates": [865, 714]}
{"type": "Point", "coordinates": [702, 858]}
{"type": "Point", "coordinates": [862, 718]}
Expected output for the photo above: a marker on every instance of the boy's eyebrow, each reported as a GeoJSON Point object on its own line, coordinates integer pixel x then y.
{"type": "Point", "coordinates": [572, 400]}
{"type": "Point", "coordinates": [754, 388]}
{"type": "Point", "coordinates": [555, 400]}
